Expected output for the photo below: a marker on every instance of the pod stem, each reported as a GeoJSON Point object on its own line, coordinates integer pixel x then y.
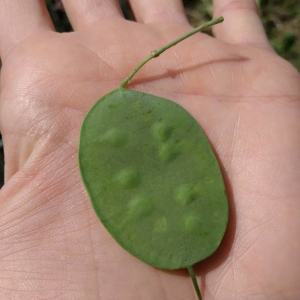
{"type": "Point", "coordinates": [159, 51]}
{"type": "Point", "coordinates": [192, 274]}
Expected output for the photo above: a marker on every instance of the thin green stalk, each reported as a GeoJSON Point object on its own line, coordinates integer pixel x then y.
{"type": "Point", "coordinates": [159, 51]}
{"type": "Point", "coordinates": [192, 274]}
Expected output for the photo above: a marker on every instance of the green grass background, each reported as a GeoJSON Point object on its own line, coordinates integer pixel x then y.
{"type": "Point", "coordinates": [281, 19]}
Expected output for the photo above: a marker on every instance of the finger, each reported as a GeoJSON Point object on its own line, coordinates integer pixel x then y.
{"type": "Point", "coordinates": [242, 24]}
{"type": "Point", "coordinates": [83, 13]}
{"type": "Point", "coordinates": [158, 11]}
{"type": "Point", "coordinates": [20, 19]}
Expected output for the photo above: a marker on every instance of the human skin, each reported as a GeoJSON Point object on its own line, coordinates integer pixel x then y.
{"type": "Point", "coordinates": [246, 98]}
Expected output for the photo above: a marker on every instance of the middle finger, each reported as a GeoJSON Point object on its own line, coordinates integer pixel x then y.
{"type": "Point", "coordinates": [83, 13]}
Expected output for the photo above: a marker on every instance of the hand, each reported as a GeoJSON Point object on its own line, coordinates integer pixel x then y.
{"type": "Point", "coordinates": [246, 98]}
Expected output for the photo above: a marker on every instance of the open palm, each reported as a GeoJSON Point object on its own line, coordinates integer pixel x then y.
{"type": "Point", "coordinates": [246, 98]}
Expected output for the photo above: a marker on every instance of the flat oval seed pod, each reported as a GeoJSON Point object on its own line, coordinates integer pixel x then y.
{"type": "Point", "coordinates": [152, 176]}
{"type": "Point", "coordinates": [160, 192]}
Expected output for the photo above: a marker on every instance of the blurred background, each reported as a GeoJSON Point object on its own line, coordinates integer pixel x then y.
{"type": "Point", "coordinates": [281, 20]}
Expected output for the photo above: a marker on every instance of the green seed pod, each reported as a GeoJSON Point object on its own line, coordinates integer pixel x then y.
{"type": "Point", "coordinates": [137, 183]}
{"type": "Point", "coordinates": [153, 179]}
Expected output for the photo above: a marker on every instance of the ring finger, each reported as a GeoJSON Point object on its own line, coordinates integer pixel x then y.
{"type": "Point", "coordinates": [158, 11]}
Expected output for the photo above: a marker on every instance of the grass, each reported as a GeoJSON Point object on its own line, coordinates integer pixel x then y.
{"type": "Point", "coordinates": [281, 19]}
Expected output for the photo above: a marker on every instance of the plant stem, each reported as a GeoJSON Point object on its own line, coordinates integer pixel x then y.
{"type": "Point", "coordinates": [159, 51]}
{"type": "Point", "coordinates": [192, 274]}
